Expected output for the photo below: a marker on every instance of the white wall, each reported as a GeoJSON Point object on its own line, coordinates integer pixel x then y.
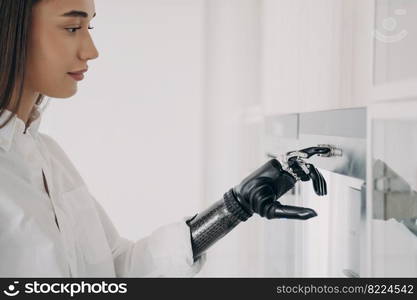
{"type": "Point", "coordinates": [134, 129]}
{"type": "Point", "coordinates": [233, 126]}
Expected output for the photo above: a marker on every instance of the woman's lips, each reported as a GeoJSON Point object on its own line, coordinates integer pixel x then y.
{"type": "Point", "coordinates": [77, 76]}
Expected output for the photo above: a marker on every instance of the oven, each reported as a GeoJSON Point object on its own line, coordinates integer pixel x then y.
{"type": "Point", "coordinates": [333, 244]}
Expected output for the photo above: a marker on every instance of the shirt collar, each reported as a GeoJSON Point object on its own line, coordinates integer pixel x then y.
{"type": "Point", "coordinates": [16, 127]}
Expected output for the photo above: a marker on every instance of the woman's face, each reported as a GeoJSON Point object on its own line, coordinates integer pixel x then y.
{"type": "Point", "coordinates": [59, 43]}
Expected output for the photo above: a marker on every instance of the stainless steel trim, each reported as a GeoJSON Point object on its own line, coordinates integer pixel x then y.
{"type": "Point", "coordinates": [345, 129]}
{"type": "Point", "coordinates": [350, 123]}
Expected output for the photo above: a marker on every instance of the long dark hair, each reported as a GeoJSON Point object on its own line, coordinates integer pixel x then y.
{"type": "Point", "coordinates": [15, 18]}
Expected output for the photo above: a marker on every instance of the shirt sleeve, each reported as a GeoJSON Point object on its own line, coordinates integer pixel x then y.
{"type": "Point", "coordinates": [167, 252]}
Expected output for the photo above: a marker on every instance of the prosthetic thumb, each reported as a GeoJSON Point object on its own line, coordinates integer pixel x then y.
{"type": "Point", "coordinates": [278, 211]}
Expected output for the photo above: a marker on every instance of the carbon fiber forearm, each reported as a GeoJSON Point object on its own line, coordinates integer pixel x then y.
{"type": "Point", "coordinates": [215, 222]}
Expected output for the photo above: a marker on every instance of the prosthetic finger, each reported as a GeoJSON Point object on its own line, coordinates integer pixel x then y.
{"type": "Point", "coordinates": [315, 151]}
{"type": "Point", "coordinates": [324, 185]}
{"type": "Point", "coordinates": [314, 179]}
{"type": "Point", "coordinates": [323, 189]}
{"type": "Point", "coordinates": [319, 183]}
{"type": "Point", "coordinates": [308, 152]}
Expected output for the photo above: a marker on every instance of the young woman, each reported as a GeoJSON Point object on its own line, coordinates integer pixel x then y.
{"type": "Point", "coordinates": [50, 225]}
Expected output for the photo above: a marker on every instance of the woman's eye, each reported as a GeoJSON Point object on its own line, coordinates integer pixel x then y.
{"type": "Point", "coordinates": [74, 29]}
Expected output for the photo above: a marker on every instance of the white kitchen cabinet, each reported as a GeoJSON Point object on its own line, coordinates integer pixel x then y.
{"type": "Point", "coordinates": [392, 190]}
{"type": "Point", "coordinates": [395, 47]}
{"type": "Point", "coordinates": [316, 54]}
{"type": "Point", "coordinates": [392, 140]}
{"type": "Point", "coordinates": [392, 126]}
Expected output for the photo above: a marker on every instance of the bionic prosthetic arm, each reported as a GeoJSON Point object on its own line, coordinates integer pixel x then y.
{"type": "Point", "coordinates": [257, 193]}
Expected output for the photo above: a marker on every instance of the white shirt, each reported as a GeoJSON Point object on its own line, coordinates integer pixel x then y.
{"type": "Point", "coordinates": [67, 233]}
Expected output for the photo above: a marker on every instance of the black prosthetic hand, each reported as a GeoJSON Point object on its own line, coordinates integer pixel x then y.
{"type": "Point", "coordinates": [257, 193]}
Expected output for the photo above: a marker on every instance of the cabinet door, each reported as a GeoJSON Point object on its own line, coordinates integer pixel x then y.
{"type": "Point", "coordinates": [316, 54]}
{"type": "Point", "coordinates": [391, 163]}
{"type": "Point", "coordinates": [395, 48]}
{"type": "Point", "coordinates": [392, 189]}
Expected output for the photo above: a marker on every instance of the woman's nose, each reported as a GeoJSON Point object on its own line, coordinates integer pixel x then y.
{"type": "Point", "coordinates": [95, 53]}
{"type": "Point", "coordinates": [89, 51]}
